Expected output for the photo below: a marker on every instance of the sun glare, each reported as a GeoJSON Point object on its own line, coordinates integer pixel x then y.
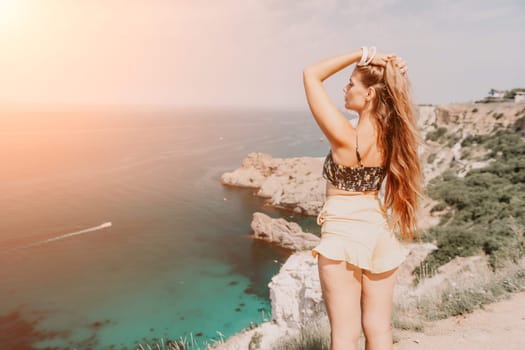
{"type": "Point", "coordinates": [9, 13]}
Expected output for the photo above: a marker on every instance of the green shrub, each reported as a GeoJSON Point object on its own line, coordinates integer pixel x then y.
{"type": "Point", "coordinates": [470, 140]}
{"type": "Point", "coordinates": [487, 205]}
{"type": "Point", "coordinates": [453, 138]}
{"type": "Point", "coordinates": [465, 152]}
{"type": "Point", "coordinates": [512, 93]}
{"type": "Point", "coordinates": [438, 207]}
{"type": "Point", "coordinates": [431, 158]}
{"type": "Point", "coordinates": [435, 135]}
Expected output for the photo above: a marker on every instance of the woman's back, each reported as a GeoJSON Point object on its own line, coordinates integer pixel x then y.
{"type": "Point", "coordinates": [366, 141]}
{"type": "Point", "coordinates": [365, 152]}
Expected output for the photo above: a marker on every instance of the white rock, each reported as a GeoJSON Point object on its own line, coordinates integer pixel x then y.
{"type": "Point", "coordinates": [293, 183]}
{"type": "Point", "coordinates": [295, 292]}
{"type": "Point", "coordinates": [286, 234]}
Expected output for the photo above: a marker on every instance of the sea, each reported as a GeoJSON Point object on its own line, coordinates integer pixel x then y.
{"type": "Point", "coordinates": [116, 232]}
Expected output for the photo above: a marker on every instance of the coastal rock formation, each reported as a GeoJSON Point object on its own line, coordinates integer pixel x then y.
{"type": "Point", "coordinates": [286, 234]}
{"type": "Point", "coordinates": [444, 127]}
{"type": "Point", "coordinates": [295, 292]}
{"type": "Point", "coordinates": [292, 183]}
{"type": "Point", "coordinates": [254, 170]}
{"type": "Point", "coordinates": [470, 118]}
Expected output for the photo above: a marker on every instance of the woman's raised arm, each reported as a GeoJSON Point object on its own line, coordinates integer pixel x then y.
{"type": "Point", "coordinates": [331, 121]}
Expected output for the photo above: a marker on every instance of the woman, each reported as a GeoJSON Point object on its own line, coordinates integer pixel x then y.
{"type": "Point", "coordinates": [359, 254]}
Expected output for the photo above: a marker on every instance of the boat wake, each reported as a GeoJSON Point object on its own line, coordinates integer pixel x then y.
{"type": "Point", "coordinates": [91, 229]}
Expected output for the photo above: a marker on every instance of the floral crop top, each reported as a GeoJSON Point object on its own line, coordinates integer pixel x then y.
{"type": "Point", "coordinates": [358, 178]}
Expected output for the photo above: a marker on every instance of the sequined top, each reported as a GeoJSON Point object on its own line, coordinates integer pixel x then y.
{"type": "Point", "coordinates": [358, 178]}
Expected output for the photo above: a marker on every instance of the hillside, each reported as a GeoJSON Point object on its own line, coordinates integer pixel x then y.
{"type": "Point", "coordinates": [474, 161]}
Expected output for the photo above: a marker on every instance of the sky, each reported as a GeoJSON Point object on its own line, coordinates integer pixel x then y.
{"type": "Point", "coordinates": [248, 53]}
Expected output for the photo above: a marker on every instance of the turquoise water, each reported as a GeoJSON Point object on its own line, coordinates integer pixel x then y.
{"type": "Point", "coordinates": [176, 260]}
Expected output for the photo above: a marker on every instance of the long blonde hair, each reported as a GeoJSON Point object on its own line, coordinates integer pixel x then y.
{"type": "Point", "coordinates": [399, 138]}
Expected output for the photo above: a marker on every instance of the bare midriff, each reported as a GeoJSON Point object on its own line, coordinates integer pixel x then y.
{"type": "Point", "coordinates": [331, 190]}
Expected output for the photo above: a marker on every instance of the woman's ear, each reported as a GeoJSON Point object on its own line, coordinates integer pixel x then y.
{"type": "Point", "coordinates": [370, 94]}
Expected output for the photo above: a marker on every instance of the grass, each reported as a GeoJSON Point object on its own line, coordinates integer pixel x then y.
{"type": "Point", "coordinates": [314, 335]}
{"type": "Point", "coordinates": [437, 134]}
{"type": "Point", "coordinates": [179, 344]}
{"type": "Point", "coordinates": [255, 342]}
{"type": "Point", "coordinates": [460, 297]}
{"type": "Point", "coordinates": [192, 343]}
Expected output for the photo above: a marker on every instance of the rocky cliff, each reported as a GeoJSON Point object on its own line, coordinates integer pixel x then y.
{"type": "Point", "coordinates": [296, 184]}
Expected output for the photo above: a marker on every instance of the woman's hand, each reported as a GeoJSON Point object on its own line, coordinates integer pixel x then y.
{"type": "Point", "coordinates": [380, 59]}
{"type": "Point", "coordinates": [400, 63]}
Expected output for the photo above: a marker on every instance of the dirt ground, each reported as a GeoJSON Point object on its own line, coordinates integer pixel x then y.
{"type": "Point", "coordinates": [499, 325]}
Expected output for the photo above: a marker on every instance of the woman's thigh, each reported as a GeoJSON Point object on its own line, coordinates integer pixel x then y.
{"type": "Point", "coordinates": [341, 287]}
{"type": "Point", "coordinates": [377, 295]}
